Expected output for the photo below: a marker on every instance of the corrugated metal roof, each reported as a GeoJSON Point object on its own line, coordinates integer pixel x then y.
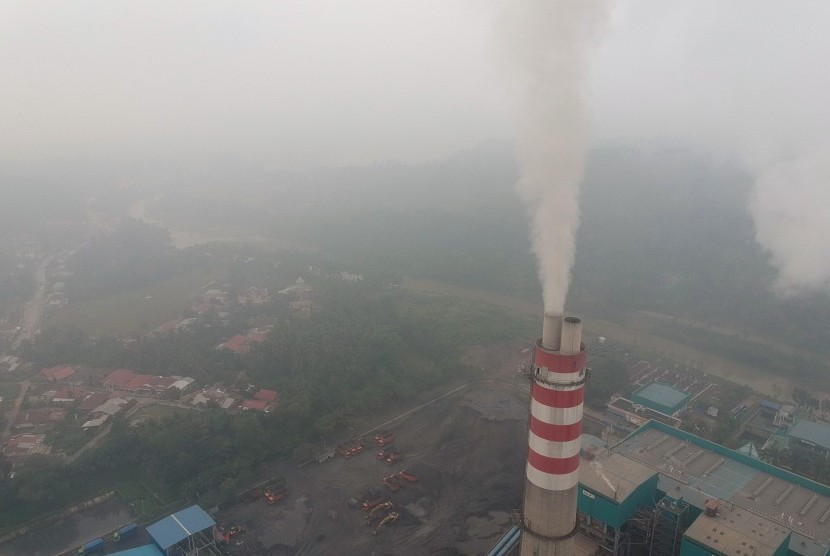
{"type": "Point", "coordinates": [146, 550]}
{"type": "Point", "coordinates": [662, 394]}
{"type": "Point", "coordinates": [814, 433]}
{"type": "Point", "coordinates": [738, 531]}
{"type": "Point", "coordinates": [180, 525]}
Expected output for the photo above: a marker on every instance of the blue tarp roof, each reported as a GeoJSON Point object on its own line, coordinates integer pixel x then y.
{"type": "Point", "coordinates": [147, 550]}
{"type": "Point", "coordinates": [177, 527]}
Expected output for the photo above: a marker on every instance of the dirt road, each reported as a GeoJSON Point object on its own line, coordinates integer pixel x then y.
{"type": "Point", "coordinates": [11, 415]}
{"type": "Point", "coordinates": [33, 310]}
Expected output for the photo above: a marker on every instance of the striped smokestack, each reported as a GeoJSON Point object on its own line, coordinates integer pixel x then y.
{"type": "Point", "coordinates": [554, 434]}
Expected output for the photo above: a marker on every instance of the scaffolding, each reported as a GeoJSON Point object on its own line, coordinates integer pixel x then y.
{"type": "Point", "coordinates": [641, 527]}
{"type": "Point", "coordinates": [613, 542]}
{"type": "Point", "coordinates": [671, 516]}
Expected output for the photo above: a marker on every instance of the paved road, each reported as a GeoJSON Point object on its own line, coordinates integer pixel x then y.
{"type": "Point", "coordinates": [33, 310]}
{"type": "Point", "coordinates": [11, 415]}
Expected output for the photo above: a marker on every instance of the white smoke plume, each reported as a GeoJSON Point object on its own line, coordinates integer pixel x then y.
{"type": "Point", "coordinates": [790, 205]}
{"type": "Point", "coordinates": [549, 46]}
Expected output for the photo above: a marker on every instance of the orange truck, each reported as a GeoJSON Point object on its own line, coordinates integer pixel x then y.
{"type": "Point", "coordinates": [384, 438]}
{"type": "Point", "coordinates": [391, 483]}
{"type": "Point", "coordinates": [408, 477]}
{"type": "Point", "coordinates": [369, 505]}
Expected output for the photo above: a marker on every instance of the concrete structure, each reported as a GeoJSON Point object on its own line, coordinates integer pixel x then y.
{"type": "Point", "coordinates": [555, 427]}
{"type": "Point", "coordinates": [661, 397]}
{"type": "Point", "coordinates": [632, 416]}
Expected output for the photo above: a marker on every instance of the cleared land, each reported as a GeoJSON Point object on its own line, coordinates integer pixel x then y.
{"type": "Point", "coordinates": [135, 311]}
{"type": "Point", "coordinates": [629, 333]}
{"type": "Point", "coordinates": [467, 451]}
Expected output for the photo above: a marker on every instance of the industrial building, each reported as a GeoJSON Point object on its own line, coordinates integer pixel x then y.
{"type": "Point", "coordinates": [665, 491]}
{"type": "Point", "coordinates": [189, 531]}
{"type": "Point", "coordinates": [813, 436]}
{"type": "Point", "coordinates": [662, 491]}
{"type": "Point", "coordinates": [661, 397]}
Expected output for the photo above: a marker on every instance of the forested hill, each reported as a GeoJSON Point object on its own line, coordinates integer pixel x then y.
{"type": "Point", "coordinates": [666, 231]}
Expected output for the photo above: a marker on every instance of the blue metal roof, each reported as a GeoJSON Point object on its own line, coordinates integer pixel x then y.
{"type": "Point", "coordinates": [177, 527]}
{"type": "Point", "coordinates": [814, 433]}
{"type": "Point", "coordinates": [146, 550]}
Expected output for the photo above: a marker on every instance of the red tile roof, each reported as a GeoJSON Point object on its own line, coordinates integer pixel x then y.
{"type": "Point", "coordinates": [65, 394]}
{"type": "Point", "coordinates": [266, 396]}
{"type": "Point", "coordinates": [119, 378]}
{"type": "Point", "coordinates": [237, 344]}
{"type": "Point", "coordinates": [60, 372]}
{"type": "Point", "coordinates": [39, 416]}
{"type": "Point", "coordinates": [256, 405]}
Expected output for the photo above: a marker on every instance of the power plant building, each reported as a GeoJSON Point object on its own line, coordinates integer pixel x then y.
{"type": "Point", "coordinates": [660, 491]}
{"type": "Point", "coordinates": [665, 491]}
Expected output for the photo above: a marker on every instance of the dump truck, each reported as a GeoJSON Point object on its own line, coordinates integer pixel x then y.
{"type": "Point", "coordinates": [408, 476]}
{"type": "Point", "coordinates": [393, 457]}
{"type": "Point", "coordinates": [376, 511]}
{"type": "Point", "coordinates": [280, 494]}
{"type": "Point", "coordinates": [383, 454]}
{"type": "Point", "coordinates": [391, 483]}
{"type": "Point", "coordinates": [349, 450]}
{"type": "Point", "coordinates": [384, 439]}
{"type": "Point", "coordinates": [273, 497]}
{"type": "Point", "coordinates": [225, 536]}
{"type": "Point", "coordinates": [393, 516]}
{"type": "Point", "coordinates": [369, 505]}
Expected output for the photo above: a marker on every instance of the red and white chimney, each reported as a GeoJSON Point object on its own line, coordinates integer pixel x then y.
{"type": "Point", "coordinates": [555, 428]}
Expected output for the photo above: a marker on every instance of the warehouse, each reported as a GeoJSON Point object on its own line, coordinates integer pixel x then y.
{"type": "Point", "coordinates": [661, 397]}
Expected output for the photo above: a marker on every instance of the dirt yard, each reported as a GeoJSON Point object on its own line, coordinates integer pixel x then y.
{"type": "Point", "coordinates": [467, 450]}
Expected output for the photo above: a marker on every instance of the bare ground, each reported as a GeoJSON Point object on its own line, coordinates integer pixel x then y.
{"type": "Point", "coordinates": [468, 451]}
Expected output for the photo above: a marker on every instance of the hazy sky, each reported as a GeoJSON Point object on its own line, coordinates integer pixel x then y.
{"type": "Point", "coordinates": [343, 81]}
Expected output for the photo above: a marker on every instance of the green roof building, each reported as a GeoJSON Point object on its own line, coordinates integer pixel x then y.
{"type": "Point", "coordinates": [661, 397]}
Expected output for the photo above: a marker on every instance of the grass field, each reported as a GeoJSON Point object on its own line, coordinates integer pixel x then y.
{"type": "Point", "coordinates": [145, 502]}
{"type": "Point", "coordinates": [628, 332]}
{"type": "Point", "coordinates": [157, 412]}
{"type": "Point", "coordinates": [135, 311]}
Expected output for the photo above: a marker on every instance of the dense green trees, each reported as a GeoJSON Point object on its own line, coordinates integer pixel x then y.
{"type": "Point", "coordinates": [609, 376]}
{"type": "Point", "coordinates": [132, 255]}
{"type": "Point", "coordinates": [365, 348]}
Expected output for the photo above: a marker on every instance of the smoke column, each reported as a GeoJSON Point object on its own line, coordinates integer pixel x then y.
{"type": "Point", "coordinates": [791, 209]}
{"type": "Point", "coordinates": [548, 45]}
